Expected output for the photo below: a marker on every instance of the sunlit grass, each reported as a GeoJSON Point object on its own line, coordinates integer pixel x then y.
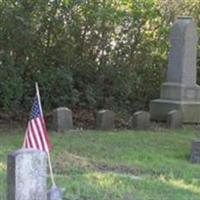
{"type": "Point", "coordinates": [183, 185]}
{"type": "Point", "coordinates": [104, 180]}
{"type": "Point", "coordinates": [121, 165]}
{"type": "Point", "coordinates": [2, 166]}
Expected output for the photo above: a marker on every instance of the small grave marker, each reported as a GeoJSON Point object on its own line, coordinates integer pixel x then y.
{"type": "Point", "coordinates": [141, 120]}
{"type": "Point", "coordinates": [62, 119]}
{"type": "Point", "coordinates": [195, 155]}
{"type": "Point", "coordinates": [174, 119]}
{"type": "Point", "coordinates": [105, 120]}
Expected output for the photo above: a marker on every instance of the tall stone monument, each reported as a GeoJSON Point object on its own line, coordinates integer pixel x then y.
{"type": "Point", "coordinates": [180, 91]}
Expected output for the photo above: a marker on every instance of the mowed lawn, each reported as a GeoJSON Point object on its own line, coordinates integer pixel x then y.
{"type": "Point", "coordinates": [118, 165]}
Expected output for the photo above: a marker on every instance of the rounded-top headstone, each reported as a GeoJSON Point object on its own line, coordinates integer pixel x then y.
{"type": "Point", "coordinates": [105, 120]}
{"type": "Point", "coordinates": [62, 119]}
{"type": "Point", "coordinates": [174, 119]}
{"type": "Point", "coordinates": [141, 120]}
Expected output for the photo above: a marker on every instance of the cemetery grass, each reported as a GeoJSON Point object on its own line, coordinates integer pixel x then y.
{"type": "Point", "coordinates": [118, 165]}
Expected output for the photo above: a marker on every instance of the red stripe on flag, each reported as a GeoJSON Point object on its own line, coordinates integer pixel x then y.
{"type": "Point", "coordinates": [34, 134]}
{"type": "Point", "coordinates": [31, 136]}
{"type": "Point", "coordinates": [37, 124]}
{"type": "Point", "coordinates": [44, 133]}
{"type": "Point", "coordinates": [27, 140]}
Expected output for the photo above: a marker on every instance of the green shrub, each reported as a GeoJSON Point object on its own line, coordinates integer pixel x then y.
{"type": "Point", "coordinates": [92, 53]}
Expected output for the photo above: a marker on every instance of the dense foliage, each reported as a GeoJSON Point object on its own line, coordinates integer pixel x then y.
{"type": "Point", "coordinates": [85, 53]}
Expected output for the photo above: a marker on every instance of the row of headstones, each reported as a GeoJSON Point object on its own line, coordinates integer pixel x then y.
{"type": "Point", "coordinates": [63, 120]}
{"type": "Point", "coordinates": [105, 120]}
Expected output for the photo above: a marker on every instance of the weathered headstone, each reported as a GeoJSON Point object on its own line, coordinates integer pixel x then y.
{"type": "Point", "coordinates": [195, 155]}
{"type": "Point", "coordinates": [62, 119]}
{"type": "Point", "coordinates": [27, 175]}
{"type": "Point", "coordinates": [180, 91]}
{"type": "Point", "coordinates": [105, 120]}
{"type": "Point", "coordinates": [174, 119]}
{"type": "Point", "coordinates": [141, 120]}
{"type": "Point", "coordinates": [55, 193]}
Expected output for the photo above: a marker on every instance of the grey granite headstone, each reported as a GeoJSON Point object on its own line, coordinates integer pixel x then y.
{"type": "Point", "coordinates": [141, 120]}
{"type": "Point", "coordinates": [62, 119]}
{"type": "Point", "coordinates": [195, 155]}
{"type": "Point", "coordinates": [180, 91]}
{"type": "Point", "coordinates": [174, 119]}
{"type": "Point", "coordinates": [27, 175]}
{"type": "Point", "coordinates": [105, 120]}
{"type": "Point", "coordinates": [55, 193]}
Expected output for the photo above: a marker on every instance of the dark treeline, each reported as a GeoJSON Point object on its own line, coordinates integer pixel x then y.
{"type": "Point", "coordinates": [85, 53]}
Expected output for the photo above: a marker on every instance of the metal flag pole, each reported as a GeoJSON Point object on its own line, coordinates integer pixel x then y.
{"type": "Point", "coordinates": [48, 155]}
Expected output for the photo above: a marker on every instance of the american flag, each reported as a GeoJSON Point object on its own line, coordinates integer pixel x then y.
{"type": "Point", "coordinates": [36, 136]}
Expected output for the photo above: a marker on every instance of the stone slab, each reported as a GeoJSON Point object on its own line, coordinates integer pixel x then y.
{"type": "Point", "coordinates": [141, 120]}
{"type": "Point", "coordinates": [174, 119]}
{"type": "Point", "coordinates": [27, 175]}
{"type": "Point", "coordinates": [190, 111]}
{"type": "Point", "coordinates": [62, 119]}
{"type": "Point", "coordinates": [105, 120]}
{"type": "Point", "coordinates": [179, 92]}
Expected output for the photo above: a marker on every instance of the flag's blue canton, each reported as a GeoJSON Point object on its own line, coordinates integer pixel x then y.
{"type": "Point", "coordinates": [35, 109]}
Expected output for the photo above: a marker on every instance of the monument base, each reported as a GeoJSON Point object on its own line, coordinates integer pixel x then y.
{"type": "Point", "coordinates": [190, 110]}
{"type": "Point", "coordinates": [180, 92]}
